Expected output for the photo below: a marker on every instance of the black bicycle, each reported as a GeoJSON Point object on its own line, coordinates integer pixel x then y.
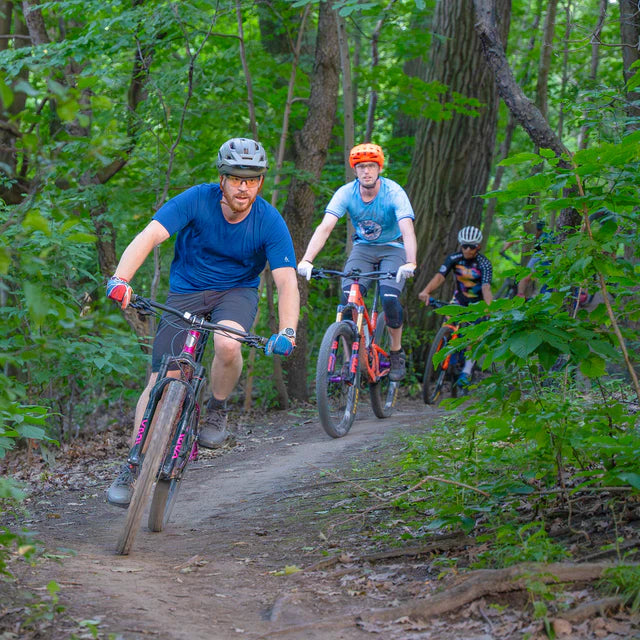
{"type": "Point", "coordinates": [167, 438]}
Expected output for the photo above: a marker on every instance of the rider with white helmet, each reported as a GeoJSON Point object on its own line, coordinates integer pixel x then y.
{"type": "Point", "coordinates": [473, 273]}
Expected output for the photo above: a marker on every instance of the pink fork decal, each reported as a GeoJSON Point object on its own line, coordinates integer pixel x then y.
{"type": "Point", "coordinates": [176, 451]}
{"type": "Point", "coordinates": [141, 430]}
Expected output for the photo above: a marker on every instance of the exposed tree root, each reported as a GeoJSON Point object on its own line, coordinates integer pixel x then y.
{"type": "Point", "coordinates": [444, 543]}
{"type": "Point", "coordinates": [487, 582]}
{"type": "Point", "coordinates": [589, 609]}
{"type": "Point", "coordinates": [478, 584]}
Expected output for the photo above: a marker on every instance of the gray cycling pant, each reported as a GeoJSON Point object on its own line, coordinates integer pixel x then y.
{"type": "Point", "coordinates": [369, 257]}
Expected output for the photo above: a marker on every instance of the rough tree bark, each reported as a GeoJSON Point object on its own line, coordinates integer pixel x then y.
{"type": "Point", "coordinates": [630, 34]}
{"type": "Point", "coordinates": [452, 158]}
{"type": "Point", "coordinates": [310, 148]}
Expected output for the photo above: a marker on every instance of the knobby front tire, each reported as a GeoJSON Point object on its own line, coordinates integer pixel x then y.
{"type": "Point", "coordinates": [164, 497]}
{"type": "Point", "coordinates": [433, 379]}
{"type": "Point", "coordinates": [383, 393]}
{"type": "Point", "coordinates": [167, 416]}
{"type": "Point", "coordinates": [336, 387]}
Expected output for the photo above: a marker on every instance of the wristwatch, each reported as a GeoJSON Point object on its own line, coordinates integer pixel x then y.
{"type": "Point", "coordinates": [289, 332]}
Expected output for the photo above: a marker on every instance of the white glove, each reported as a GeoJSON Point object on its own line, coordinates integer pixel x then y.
{"type": "Point", "coordinates": [304, 269]}
{"type": "Point", "coordinates": [404, 272]}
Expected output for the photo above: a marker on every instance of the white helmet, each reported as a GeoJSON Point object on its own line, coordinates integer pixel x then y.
{"type": "Point", "coordinates": [242, 157]}
{"type": "Point", "coordinates": [469, 235]}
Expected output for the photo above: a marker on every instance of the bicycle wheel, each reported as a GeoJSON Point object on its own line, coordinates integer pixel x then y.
{"type": "Point", "coordinates": [163, 424]}
{"type": "Point", "coordinates": [433, 378]}
{"type": "Point", "coordinates": [164, 497]}
{"type": "Point", "coordinates": [336, 387]}
{"type": "Point", "coordinates": [384, 392]}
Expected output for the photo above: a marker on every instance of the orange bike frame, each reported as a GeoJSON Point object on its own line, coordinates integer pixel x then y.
{"type": "Point", "coordinates": [356, 301]}
{"type": "Point", "coordinates": [454, 334]}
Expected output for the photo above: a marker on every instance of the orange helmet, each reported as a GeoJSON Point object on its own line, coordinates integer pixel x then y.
{"type": "Point", "coordinates": [366, 152]}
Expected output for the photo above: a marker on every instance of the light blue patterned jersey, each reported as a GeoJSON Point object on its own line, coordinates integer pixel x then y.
{"type": "Point", "coordinates": [375, 222]}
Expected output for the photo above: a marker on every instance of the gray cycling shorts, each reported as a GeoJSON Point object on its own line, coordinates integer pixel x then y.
{"type": "Point", "coordinates": [369, 257]}
{"type": "Point", "coordinates": [239, 305]}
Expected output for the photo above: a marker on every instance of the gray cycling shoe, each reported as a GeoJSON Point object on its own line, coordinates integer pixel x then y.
{"type": "Point", "coordinates": [121, 489]}
{"type": "Point", "coordinates": [398, 369]}
{"type": "Point", "coordinates": [213, 428]}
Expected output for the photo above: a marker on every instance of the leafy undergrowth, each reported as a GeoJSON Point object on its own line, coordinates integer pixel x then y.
{"type": "Point", "coordinates": [409, 527]}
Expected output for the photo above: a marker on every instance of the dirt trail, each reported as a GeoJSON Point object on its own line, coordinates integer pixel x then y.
{"type": "Point", "coordinates": [239, 520]}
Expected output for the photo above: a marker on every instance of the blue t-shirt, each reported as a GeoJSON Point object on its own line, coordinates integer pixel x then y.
{"type": "Point", "coordinates": [213, 254]}
{"type": "Point", "coordinates": [375, 222]}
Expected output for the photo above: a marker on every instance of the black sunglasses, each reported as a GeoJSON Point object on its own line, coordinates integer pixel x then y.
{"type": "Point", "coordinates": [469, 246]}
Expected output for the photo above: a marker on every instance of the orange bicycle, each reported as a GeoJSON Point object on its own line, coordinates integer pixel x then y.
{"type": "Point", "coordinates": [439, 376]}
{"type": "Point", "coordinates": [354, 354]}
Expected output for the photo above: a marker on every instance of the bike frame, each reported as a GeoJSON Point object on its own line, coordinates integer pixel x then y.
{"type": "Point", "coordinates": [183, 445]}
{"type": "Point", "coordinates": [192, 376]}
{"type": "Point", "coordinates": [446, 363]}
{"type": "Point", "coordinates": [370, 321]}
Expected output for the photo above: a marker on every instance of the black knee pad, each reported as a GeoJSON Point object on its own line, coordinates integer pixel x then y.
{"type": "Point", "coordinates": [391, 305]}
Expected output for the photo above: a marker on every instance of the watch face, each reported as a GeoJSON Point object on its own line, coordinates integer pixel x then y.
{"type": "Point", "coordinates": [290, 333]}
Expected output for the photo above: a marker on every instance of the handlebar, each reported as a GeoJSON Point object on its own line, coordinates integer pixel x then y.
{"type": "Point", "coordinates": [436, 304]}
{"type": "Point", "coordinates": [504, 254]}
{"type": "Point", "coordinates": [146, 306]}
{"type": "Point", "coordinates": [355, 274]}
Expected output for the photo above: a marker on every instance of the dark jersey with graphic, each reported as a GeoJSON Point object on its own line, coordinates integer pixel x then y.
{"type": "Point", "coordinates": [470, 276]}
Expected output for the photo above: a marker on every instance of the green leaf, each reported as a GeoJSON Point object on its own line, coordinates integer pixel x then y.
{"type": "Point", "coordinates": [520, 158]}
{"type": "Point", "coordinates": [630, 478]}
{"type": "Point", "coordinates": [593, 367]}
{"type": "Point", "coordinates": [6, 94]}
{"type": "Point", "coordinates": [5, 260]}
{"type": "Point", "coordinates": [35, 220]}
{"type": "Point", "coordinates": [31, 431]}
{"type": "Point", "coordinates": [37, 302]}
{"type": "Point", "coordinates": [82, 237]}
{"type": "Point", "coordinates": [524, 344]}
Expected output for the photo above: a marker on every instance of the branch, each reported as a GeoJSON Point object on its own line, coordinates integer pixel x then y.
{"type": "Point", "coordinates": [523, 109]}
{"type": "Point", "coordinates": [486, 582]}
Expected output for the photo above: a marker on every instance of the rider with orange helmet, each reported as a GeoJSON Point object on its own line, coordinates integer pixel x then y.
{"type": "Point", "coordinates": [384, 237]}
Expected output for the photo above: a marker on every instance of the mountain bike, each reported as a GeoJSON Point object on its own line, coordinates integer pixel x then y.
{"type": "Point", "coordinates": [442, 376]}
{"type": "Point", "coordinates": [354, 355]}
{"type": "Point", "coordinates": [167, 439]}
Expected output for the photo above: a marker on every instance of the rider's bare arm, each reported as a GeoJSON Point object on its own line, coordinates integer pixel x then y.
{"type": "Point", "coordinates": [434, 283]}
{"type": "Point", "coordinates": [486, 293]}
{"type": "Point", "coordinates": [139, 248]}
{"type": "Point", "coordinates": [288, 297]}
{"type": "Point", "coordinates": [319, 237]}
{"type": "Point", "coordinates": [409, 239]}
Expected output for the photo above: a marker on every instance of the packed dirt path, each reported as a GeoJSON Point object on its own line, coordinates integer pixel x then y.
{"type": "Point", "coordinates": [222, 567]}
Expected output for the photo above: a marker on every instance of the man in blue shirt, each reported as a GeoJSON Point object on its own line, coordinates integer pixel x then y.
{"type": "Point", "coordinates": [384, 238]}
{"type": "Point", "coordinates": [226, 233]}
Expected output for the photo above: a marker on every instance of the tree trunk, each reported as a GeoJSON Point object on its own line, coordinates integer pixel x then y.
{"type": "Point", "coordinates": [583, 136]}
{"type": "Point", "coordinates": [311, 145]}
{"type": "Point", "coordinates": [630, 34]}
{"type": "Point", "coordinates": [452, 158]}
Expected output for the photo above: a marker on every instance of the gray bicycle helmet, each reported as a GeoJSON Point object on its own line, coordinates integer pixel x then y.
{"type": "Point", "coordinates": [469, 235]}
{"type": "Point", "coordinates": [242, 157]}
